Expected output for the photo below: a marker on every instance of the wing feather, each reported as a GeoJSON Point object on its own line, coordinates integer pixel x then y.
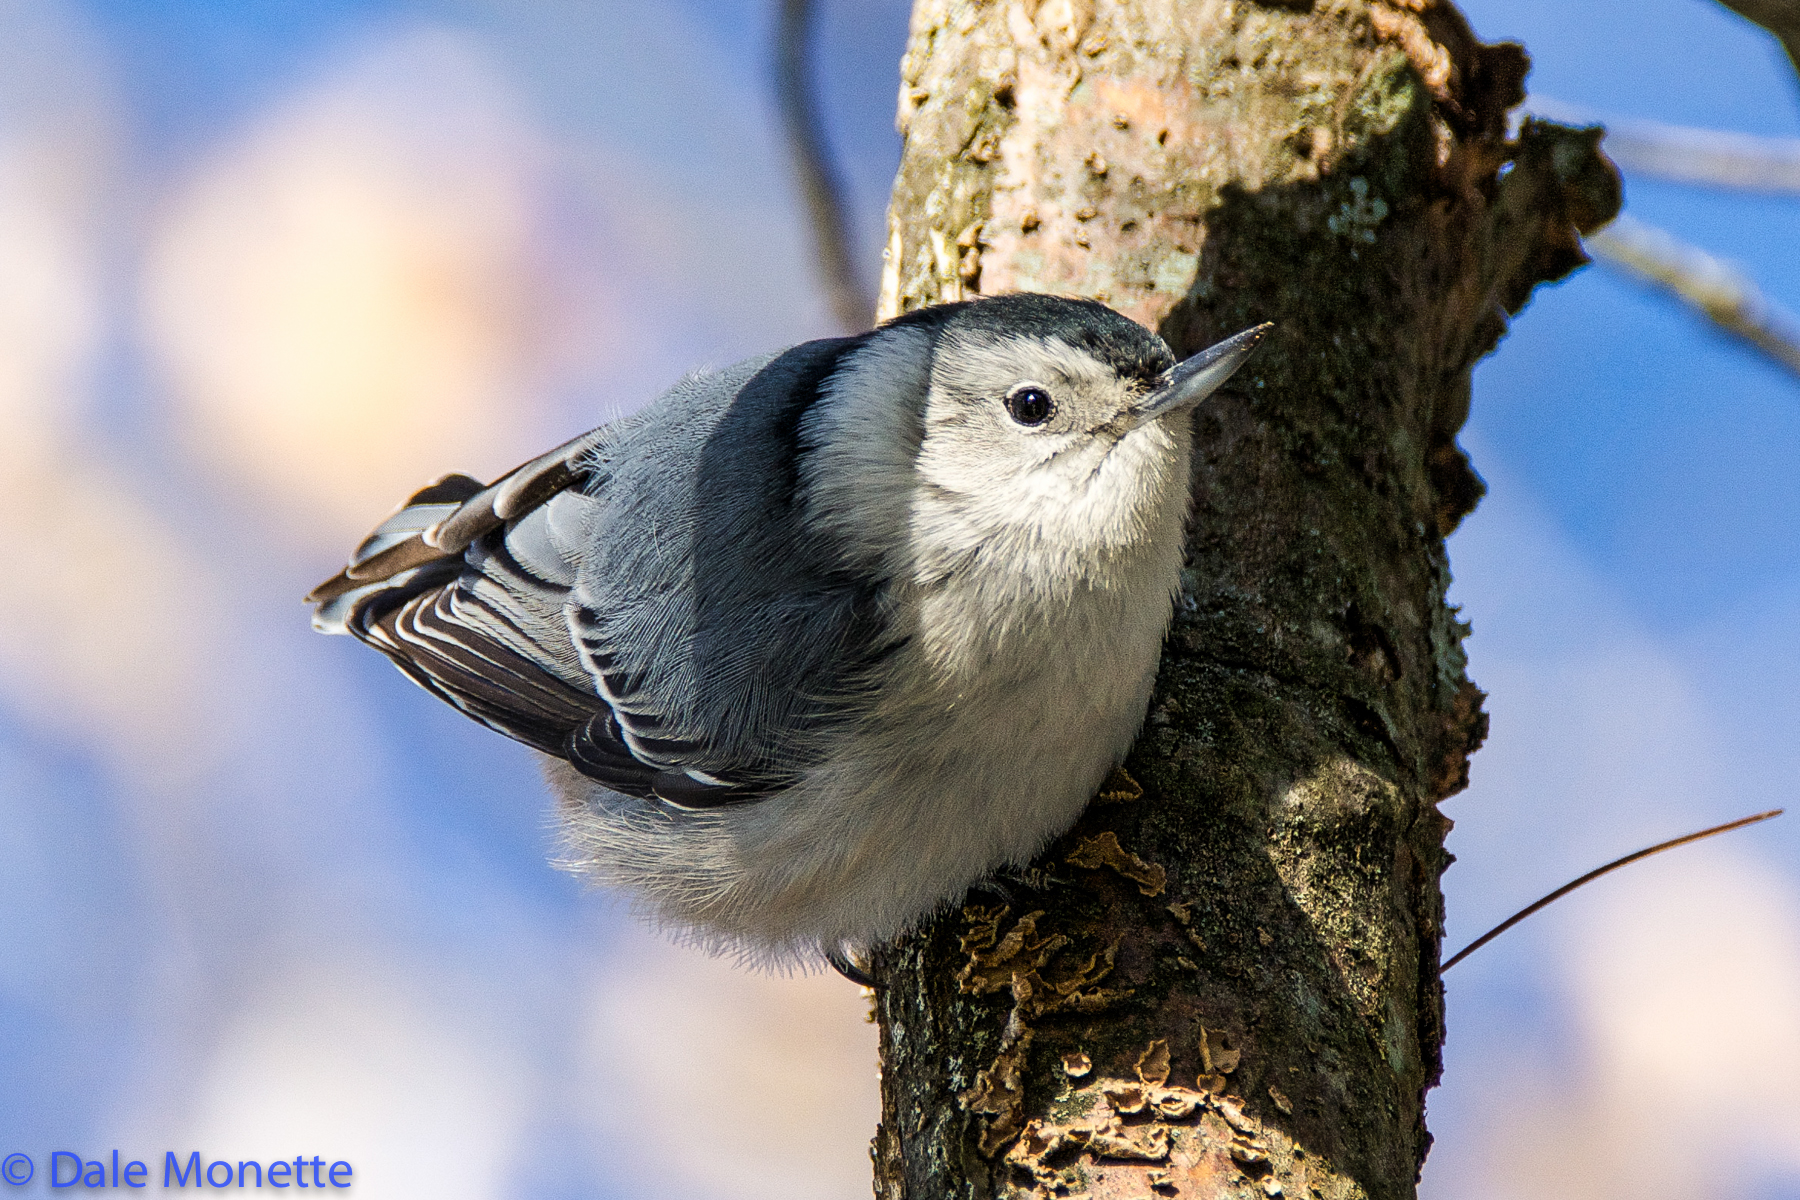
{"type": "Point", "coordinates": [464, 589]}
{"type": "Point", "coordinates": [444, 519]}
{"type": "Point", "coordinates": [646, 601]}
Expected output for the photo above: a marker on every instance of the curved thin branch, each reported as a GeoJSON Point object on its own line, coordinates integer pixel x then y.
{"type": "Point", "coordinates": [819, 185]}
{"type": "Point", "coordinates": [1713, 287]}
{"type": "Point", "coordinates": [1610, 867]}
{"type": "Point", "coordinates": [1683, 154]}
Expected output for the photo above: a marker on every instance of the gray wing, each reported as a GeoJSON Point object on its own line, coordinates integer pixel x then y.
{"type": "Point", "coordinates": [728, 636]}
{"type": "Point", "coordinates": [642, 601]}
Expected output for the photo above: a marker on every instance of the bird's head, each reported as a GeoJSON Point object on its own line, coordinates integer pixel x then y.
{"type": "Point", "coordinates": [1053, 426]}
{"type": "Point", "coordinates": [1061, 417]}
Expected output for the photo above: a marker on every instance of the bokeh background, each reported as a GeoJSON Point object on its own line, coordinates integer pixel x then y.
{"type": "Point", "coordinates": [267, 265]}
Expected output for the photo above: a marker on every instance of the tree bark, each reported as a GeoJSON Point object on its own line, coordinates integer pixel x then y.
{"type": "Point", "coordinates": [1228, 984]}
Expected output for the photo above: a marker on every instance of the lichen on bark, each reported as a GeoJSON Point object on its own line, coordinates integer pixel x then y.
{"type": "Point", "coordinates": [1344, 169]}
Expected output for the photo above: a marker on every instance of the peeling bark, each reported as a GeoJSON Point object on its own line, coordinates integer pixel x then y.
{"type": "Point", "coordinates": [1227, 984]}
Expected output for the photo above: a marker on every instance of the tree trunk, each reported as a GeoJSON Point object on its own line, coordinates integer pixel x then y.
{"type": "Point", "coordinates": [1228, 985]}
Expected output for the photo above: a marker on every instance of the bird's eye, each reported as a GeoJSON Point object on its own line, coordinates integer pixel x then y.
{"type": "Point", "coordinates": [1029, 405]}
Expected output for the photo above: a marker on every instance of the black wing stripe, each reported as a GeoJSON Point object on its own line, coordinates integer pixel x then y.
{"type": "Point", "coordinates": [531, 485]}
{"type": "Point", "coordinates": [479, 675]}
{"type": "Point", "coordinates": [620, 686]}
{"type": "Point", "coordinates": [596, 749]}
{"type": "Point", "coordinates": [489, 681]}
{"type": "Point", "coordinates": [684, 791]}
{"type": "Point", "coordinates": [664, 748]}
{"type": "Point", "coordinates": [640, 721]}
{"type": "Point", "coordinates": [477, 653]}
{"type": "Point", "coordinates": [502, 554]}
{"type": "Point", "coordinates": [474, 609]}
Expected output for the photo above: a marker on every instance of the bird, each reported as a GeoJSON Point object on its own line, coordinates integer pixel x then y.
{"type": "Point", "coordinates": [812, 644]}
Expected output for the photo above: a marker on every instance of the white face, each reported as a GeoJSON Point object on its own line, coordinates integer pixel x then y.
{"type": "Point", "coordinates": [1035, 438]}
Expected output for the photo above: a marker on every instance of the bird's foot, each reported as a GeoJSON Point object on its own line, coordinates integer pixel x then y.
{"type": "Point", "coordinates": [846, 966]}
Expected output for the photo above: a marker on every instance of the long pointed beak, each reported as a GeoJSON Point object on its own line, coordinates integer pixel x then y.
{"type": "Point", "coordinates": [1199, 376]}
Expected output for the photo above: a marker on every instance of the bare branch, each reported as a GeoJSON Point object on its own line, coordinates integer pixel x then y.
{"type": "Point", "coordinates": [1714, 287]}
{"type": "Point", "coordinates": [824, 195]}
{"type": "Point", "coordinates": [1779, 17]}
{"type": "Point", "coordinates": [1709, 157]}
{"type": "Point", "coordinates": [1596, 873]}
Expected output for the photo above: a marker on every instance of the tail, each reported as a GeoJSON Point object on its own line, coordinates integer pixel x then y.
{"type": "Point", "coordinates": [396, 547]}
{"type": "Point", "coordinates": [439, 522]}
{"type": "Point", "coordinates": [464, 589]}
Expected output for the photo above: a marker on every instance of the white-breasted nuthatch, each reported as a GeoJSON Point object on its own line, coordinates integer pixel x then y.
{"type": "Point", "coordinates": [813, 643]}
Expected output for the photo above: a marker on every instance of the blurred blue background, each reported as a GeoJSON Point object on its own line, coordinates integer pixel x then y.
{"type": "Point", "coordinates": [266, 266]}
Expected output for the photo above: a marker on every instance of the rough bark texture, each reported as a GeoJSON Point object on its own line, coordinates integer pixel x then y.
{"type": "Point", "coordinates": [1228, 985]}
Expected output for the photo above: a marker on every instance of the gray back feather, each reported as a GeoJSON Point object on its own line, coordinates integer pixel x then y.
{"type": "Point", "coordinates": [720, 622]}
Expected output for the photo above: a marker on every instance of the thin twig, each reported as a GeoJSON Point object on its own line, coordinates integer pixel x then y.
{"type": "Point", "coordinates": [1714, 287]}
{"type": "Point", "coordinates": [819, 185]}
{"type": "Point", "coordinates": [1614, 865]}
{"type": "Point", "coordinates": [1779, 17]}
{"type": "Point", "coordinates": [1681, 153]}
